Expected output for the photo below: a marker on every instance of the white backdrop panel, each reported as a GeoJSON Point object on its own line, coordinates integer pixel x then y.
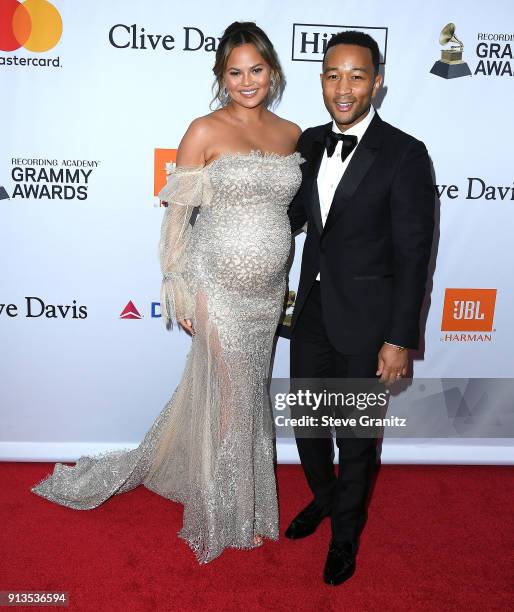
{"type": "Point", "coordinates": [73, 385]}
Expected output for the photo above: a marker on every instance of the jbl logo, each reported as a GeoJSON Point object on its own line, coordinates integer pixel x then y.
{"type": "Point", "coordinates": [468, 310]}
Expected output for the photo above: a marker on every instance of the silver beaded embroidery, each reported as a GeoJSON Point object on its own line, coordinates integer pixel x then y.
{"type": "Point", "coordinates": [211, 447]}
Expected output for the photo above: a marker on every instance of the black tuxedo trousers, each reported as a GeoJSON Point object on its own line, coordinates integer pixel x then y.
{"type": "Point", "coordinates": [345, 495]}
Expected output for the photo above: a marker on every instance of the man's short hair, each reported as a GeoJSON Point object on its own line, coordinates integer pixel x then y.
{"type": "Point", "coordinates": [352, 37]}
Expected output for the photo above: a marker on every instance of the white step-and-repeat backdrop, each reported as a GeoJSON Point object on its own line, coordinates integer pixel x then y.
{"type": "Point", "coordinates": [95, 97]}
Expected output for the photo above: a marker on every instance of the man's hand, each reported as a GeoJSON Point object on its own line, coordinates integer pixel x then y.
{"type": "Point", "coordinates": [392, 364]}
{"type": "Point", "coordinates": [187, 324]}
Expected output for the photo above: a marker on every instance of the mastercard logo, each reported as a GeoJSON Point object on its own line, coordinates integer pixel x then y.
{"type": "Point", "coordinates": [35, 25]}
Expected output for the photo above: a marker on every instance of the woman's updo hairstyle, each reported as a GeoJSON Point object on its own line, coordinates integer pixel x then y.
{"type": "Point", "coordinates": [241, 33]}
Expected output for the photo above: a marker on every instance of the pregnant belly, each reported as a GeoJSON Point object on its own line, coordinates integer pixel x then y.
{"type": "Point", "coordinates": [243, 249]}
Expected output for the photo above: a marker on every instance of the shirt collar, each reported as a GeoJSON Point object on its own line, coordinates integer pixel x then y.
{"type": "Point", "coordinates": [359, 128]}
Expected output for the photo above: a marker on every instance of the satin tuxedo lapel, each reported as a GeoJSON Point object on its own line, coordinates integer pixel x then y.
{"type": "Point", "coordinates": [315, 157]}
{"type": "Point", "coordinates": [361, 162]}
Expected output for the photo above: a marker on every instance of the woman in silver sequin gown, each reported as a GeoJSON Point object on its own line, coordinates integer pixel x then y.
{"type": "Point", "coordinates": [211, 447]}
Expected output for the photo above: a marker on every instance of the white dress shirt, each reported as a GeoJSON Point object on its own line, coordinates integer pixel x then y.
{"type": "Point", "coordinates": [332, 168]}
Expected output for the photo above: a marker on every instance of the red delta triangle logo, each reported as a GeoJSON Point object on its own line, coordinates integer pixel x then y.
{"type": "Point", "coordinates": [130, 312]}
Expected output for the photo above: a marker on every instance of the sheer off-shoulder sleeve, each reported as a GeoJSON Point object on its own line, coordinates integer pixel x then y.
{"type": "Point", "coordinates": [184, 191]}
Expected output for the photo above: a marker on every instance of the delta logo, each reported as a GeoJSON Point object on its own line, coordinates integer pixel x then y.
{"type": "Point", "coordinates": [35, 25]}
{"type": "Point", "coordinates": [130, 311]}
{"type": "Point", "coordinates": [163, 160]}
{"type": "Point", "coordinates": [470, 312]}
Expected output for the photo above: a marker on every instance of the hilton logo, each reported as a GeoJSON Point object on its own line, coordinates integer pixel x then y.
{"type": "Point", "coordinates": [310, 40]}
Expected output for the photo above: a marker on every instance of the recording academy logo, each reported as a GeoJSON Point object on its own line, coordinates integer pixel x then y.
{"type": "Point", "coordinates": [36, 178]}
{"type": "Point", "coordinates": [131, 312]}
{"type": "Point", "coordinates": [310, 40]}
{"type": "Point", "coordinates": [468, 310]}
{"type": "Point", "coordinates": [494, 53]}
{"type": "Point", "coordinates": [163, 160]}
{"type": "Point", "coordinates": [35, 25]}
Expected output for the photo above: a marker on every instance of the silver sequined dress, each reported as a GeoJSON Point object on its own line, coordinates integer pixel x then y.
{"type": "Point", "coordinates": [211, 447]}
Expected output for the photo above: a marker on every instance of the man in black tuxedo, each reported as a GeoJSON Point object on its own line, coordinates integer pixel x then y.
{"type": "Point", "coordinates": [368, 199]}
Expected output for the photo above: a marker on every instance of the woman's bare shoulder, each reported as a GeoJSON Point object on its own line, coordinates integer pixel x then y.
{"type": "Point", "coordinates": [202, 126]}
{"type": "Point", "coordinates": [288, 128]}
{"type": "Point", "coordinates": [197, 139]}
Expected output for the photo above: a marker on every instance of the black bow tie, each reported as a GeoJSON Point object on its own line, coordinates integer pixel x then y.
{"type": "Point", "coordinates": [349, 143]}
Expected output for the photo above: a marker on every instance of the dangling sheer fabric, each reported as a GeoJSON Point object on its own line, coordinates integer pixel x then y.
{"type": "Point", "coordinates": [185, 189]}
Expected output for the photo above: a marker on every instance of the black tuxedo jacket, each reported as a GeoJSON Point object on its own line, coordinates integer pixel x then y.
{"type": "Point", "coordinates": [374, 250]}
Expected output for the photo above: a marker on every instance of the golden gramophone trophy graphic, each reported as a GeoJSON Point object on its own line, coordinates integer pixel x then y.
{"type": "Point", "coordinates": [284, 327]}
{"type": "Point", "coordinates": [451, 65]}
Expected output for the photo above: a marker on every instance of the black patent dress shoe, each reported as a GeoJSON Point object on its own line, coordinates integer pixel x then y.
{"type": "Point", "coordinates": [340, 564]}
{"type": "Point", "coordinates": [306, 522]}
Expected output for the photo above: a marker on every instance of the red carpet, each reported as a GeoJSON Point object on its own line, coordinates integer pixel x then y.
{"type": "Point", "coordinates": [438, 539]}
